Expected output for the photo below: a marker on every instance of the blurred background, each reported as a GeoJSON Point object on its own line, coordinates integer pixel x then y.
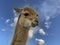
{"type": "Point", "coordinates": [49, 21]}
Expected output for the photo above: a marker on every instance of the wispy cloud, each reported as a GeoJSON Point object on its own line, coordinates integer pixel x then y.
{"type": "Point", "coordinates": [49, 9]}
{"type": "Point", "coordinates": [15, 13]}
{"type": "Point", "coordinates": [47, 24]}
{"type": "Point", "coordinates": [15, 19]}
{"type": "Point", "coordinates": [7, 21]}
{"type": "Point", "coordinates": [41, 31]}
{"type": "Point", "coordinates": [12, 25]}
{"type": "Point", "coordinates": [32, 31]}
{"type": "Point", "coordinates": [40, 41]}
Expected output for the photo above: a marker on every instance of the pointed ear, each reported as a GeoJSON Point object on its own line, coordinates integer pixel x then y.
{"type": "Point", "coordinates": [18, 10]}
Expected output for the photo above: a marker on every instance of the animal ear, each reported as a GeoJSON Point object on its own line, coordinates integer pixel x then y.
{"type": "Point", "coordinates": [18, 10]}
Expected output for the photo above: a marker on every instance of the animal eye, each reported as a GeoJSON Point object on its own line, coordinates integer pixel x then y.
{"type": "Point", "coordinates": [26, 14]}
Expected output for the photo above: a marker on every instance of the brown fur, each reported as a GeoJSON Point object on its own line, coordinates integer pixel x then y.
{"type": "Point", "coordinates": [23, 25]}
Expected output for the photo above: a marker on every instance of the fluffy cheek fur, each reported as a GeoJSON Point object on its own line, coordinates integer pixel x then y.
{"type": "Point", "coordinates": [25, 23]}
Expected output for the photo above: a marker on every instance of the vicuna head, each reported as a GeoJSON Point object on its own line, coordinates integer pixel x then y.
{"type": "Point", "coordinates": [27, 17]}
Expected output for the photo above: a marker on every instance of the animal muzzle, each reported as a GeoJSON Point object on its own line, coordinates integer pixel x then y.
{"type": "Point", "coordinates": [35, 23]}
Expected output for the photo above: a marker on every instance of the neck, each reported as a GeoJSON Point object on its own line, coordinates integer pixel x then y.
{"type": "Point", "coordinates": [20, 35]}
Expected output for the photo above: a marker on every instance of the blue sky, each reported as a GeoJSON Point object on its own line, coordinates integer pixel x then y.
{"type": "Point", "coordinates": [49, 20]}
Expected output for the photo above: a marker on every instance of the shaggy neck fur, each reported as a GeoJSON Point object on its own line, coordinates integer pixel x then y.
{"type": "Point", "coordinates": [20, 35]}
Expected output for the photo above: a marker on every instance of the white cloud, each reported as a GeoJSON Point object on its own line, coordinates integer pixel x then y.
{"type": "Point", "coordinates": [15, 14]}
{"type": "Point", "coordinates": [15, 19]}
{"type": "Point", "coordinates": [40, 41]}
{"type": "Point", "coordinates": [32, 31]}
{"type": "Point", "coordinates": [7, 21]}
{"type": "Point", "coordinates": [47, 24]}
{"type": "Point", "coordinates": [3, 29]}
{"type": "Point", "coordinates": [49, 9]}
{"type": "Point", "coordinates": [47, 18]}
{"type": "Point", "coordinates": [12, 24]}
{"type": "Point", "coordinates": [41, 31]}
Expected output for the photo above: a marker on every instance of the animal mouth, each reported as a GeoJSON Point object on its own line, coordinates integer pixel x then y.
{"type": "Point", "coordinates": [33, 25]}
